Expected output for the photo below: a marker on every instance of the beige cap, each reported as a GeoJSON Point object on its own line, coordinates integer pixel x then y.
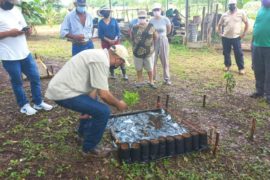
{"type": "Point", "coordinates": [156, 6]}
{"type": "Point", "coordinates": [142, 13]}
{"type": "Point", "coordinates": [232, 2]}
{"type": "Point", "coordinates": [122, 52]}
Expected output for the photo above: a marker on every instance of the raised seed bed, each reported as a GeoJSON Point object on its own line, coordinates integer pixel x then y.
{"type": "Point", "coordinates": [148, 135]}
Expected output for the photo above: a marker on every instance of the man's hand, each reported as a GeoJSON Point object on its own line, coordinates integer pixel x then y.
{"type": "Point", "coordinates": [15, 32]}
{"type": "Point", "coordinates": [121, 106]}
{"type": "Point", "coordinates": [29, 32]}
{"type": "Point", "coordinates": [243, 35]}
{"type": "Point", "coordinates": [79, 37]}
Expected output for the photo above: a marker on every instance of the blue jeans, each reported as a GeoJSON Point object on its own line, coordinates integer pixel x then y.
{"type": "Point", "coordinates": [93, 128]}
{"type": "Point", "coordinates": [29, 68]}
{"type": "Point", "coordinates": [76, 48]}
{"type": "Point", "coordinates": [227, 44]}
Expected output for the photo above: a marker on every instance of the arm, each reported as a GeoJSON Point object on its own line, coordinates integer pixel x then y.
{"type": "Point", "coordinates": [219, 30]}
{"type": "Point", "coordinates": [65, 31]}
{"type": "Point", "coordinates": [168, 25]}
{"type": "Point", "coordinates": [107, 97]}
{"type": "Point", "coordinates": [10, 33]}
{"type": "Point", "coordinates": [245, 20]}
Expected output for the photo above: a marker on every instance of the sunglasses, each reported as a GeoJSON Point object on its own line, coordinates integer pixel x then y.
{"type": "Point", "coordinates": [157, 9]}
{"type": "Point", "coordinates": [142, 17]}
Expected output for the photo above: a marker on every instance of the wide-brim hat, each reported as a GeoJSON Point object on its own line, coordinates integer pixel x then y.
{"type": "Point", "coordinates": [102, 9]}
{"type": "Point", "coordinates": [122, 52]}
{"type": "Point", "coordinates": [142, 13]}
{"type": "Point", "coordinates": [156, 6]}
{"type": "Point", "coordinates": [232, 2]}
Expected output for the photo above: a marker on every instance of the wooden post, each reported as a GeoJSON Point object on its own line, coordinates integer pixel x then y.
{"type": "Point", "coordinates": [252, 130]}
{"type": "Point", "coordinates": [216, 143]}
{"type": "Point", "coordinates": [158, 105]}
{"type": "Point", "coordinates": [187, 14]}
{"type": "Point", "coordinates": [110, 4]}
{"type": "Point", "coordinates": [202, 24]}
{"type": "Point", "coordinates": [167, 103]}
{"type": "Point", "coordinates": [212, 130]}
{"type": "Point", "coordinates": [204, 100]}
{"type": "Point", "coordinates": [216, 17]}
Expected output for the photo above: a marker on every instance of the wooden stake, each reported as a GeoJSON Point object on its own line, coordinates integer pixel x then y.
{"type": "Point", "coordinates": [252, 130]}
{"type": "Point", "coordinates": [211, 134]}
{"type": "Point", "coordinates": [167, 102]}
{"type": "Point", "coordinates": [204, 100]}
{"type": "Point", "coordinates": [216, 143]}
{"type": "Point", "coordinates": [158, 105]}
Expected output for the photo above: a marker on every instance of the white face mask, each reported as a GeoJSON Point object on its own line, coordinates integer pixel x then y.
{"type": "Point", "coordinates": [142, 21]}
{"type": "Point", "coordinates": [157, 13]}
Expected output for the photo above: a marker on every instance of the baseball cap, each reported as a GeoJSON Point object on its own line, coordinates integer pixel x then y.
{"type": "Point", "coordinates": [122, 52]}
{"type": "Point", "coordinates": [232, 2]}
{"type": "Point", "coordinates": [142, 13]}
{"type": "Point", "coordinates": [156, 6]}
{"type": "Point", "coordinates": [81, 2]}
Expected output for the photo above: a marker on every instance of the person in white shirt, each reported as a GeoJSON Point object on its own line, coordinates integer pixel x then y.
{"type": "Point", "coordinates": [17, 59]}
{"type": "Point", "coordinates": [77, 85]}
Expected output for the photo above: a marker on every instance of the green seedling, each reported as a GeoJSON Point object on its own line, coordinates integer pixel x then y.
{"type": "Point", "coordinates": [230, 82]}
{"type": "Point", "coordinates": [131, 98]}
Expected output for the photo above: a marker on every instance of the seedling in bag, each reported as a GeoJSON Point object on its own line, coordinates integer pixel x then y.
{"type": "Point", "coordinates": [230, 82]}
{"type": "Point", "coordinates": [131, 98]}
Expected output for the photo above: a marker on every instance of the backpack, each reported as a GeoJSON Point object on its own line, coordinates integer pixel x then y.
{"type": "Point", "coordinates": [140, 50]}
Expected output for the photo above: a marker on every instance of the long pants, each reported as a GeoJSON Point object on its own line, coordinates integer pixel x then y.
{"type": "Point", "coordinates": [261, 67]}
{"type": "Point", "coordinates": [27, 66]}
{"type": "Point", "coordinates": [93, 128]}
{"type": "Point", "coordinates": [162, 52]}
{"type": "Point", "coordinates": [227, 44]}
{"type": "Point", "coordinates": [76, 48]}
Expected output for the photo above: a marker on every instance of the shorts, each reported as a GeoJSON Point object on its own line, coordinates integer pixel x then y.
{"type": "Point", "coordinates": [146, 63]}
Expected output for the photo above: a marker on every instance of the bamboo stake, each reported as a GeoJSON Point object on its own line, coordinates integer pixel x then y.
{"type": "Point", "coordinates": [158, 105]}
{"type": "Point", "coordinates": [204, 100]}
{"type": "Point", "coordinates": [216, 143]}
{"type": "Point", "coordinates": [252, 130]}
{"type": "Point", "coordinates": [167, 103]}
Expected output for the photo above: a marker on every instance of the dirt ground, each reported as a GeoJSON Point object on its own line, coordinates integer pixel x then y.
{"type": "Point", "coordinates": [45, 145]}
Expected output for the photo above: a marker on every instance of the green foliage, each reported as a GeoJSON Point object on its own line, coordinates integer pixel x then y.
{"type": "Point", "coordinates": [131, 98]}
{"type": "Point", "coordinates": [230, 82]}
{"type": "Point", "coordinates": [33, 12]}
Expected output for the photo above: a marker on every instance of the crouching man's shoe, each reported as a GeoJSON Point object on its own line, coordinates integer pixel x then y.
{"type": "Point", "coordinates": [43, 106]}
{"type": "Point", "coordinates": [98, 152]}
{"type": "Point", "coordinates": [256, 95]}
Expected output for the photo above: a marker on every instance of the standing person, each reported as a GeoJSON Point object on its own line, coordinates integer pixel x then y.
{"type": "Point", "coordinates": [87, 73]}
{"type": "Point", "coordinates": [17, 59]}
{"type": "Point", "coordinates": [109, 33]}
{"type": "Point", "coordinates": [77, 27]}
{"type": "Point", "coordinates": [232, 21]}
{"type": "Point", "coordinates": [163, 27]}
{"type": "Point", "coordinates": [261, 52]}
{"type": "Point", "coordinates": [143, 36]}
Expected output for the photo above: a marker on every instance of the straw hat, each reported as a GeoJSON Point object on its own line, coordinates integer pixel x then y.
{"type": "Point", "coordinates": [102, 9]}
{"type": "Point", "coordinates": [156, 6]}
{"type": "Point", "coordinates": [232, 2]}
{"type": "Point", "coordinates": [142, 13]}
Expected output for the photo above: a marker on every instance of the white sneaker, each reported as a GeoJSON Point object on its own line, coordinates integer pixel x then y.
{"type": "Point", "coordinates": [43, 106]}
{"type": "Point", "coordinates": [28, 110]}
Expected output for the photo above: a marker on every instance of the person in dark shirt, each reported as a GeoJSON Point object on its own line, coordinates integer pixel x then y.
{"type": "Point", "coordinates": [109, 33]}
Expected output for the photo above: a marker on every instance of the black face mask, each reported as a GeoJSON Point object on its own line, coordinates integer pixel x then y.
{"type": "Point", "coordinates": [106, 14]}
{"type": "Point", "coordinates": [7, 5]}
{"type": "Point", "coordinates": [232, 7]}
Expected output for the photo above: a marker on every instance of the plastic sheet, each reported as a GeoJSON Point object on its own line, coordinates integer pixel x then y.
{"type": "Point", "coordinates": [144, 126]}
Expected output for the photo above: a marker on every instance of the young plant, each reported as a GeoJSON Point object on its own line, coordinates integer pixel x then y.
{"type": "Point", "coordinates": [131, 98]}
{"type": "Point", "coordinates": [230, 82]}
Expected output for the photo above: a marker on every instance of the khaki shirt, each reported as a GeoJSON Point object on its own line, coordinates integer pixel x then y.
{"type": "Point", "coordinates": [232, 23]}
{"type": "Point", "coordinates": [82, 74]}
